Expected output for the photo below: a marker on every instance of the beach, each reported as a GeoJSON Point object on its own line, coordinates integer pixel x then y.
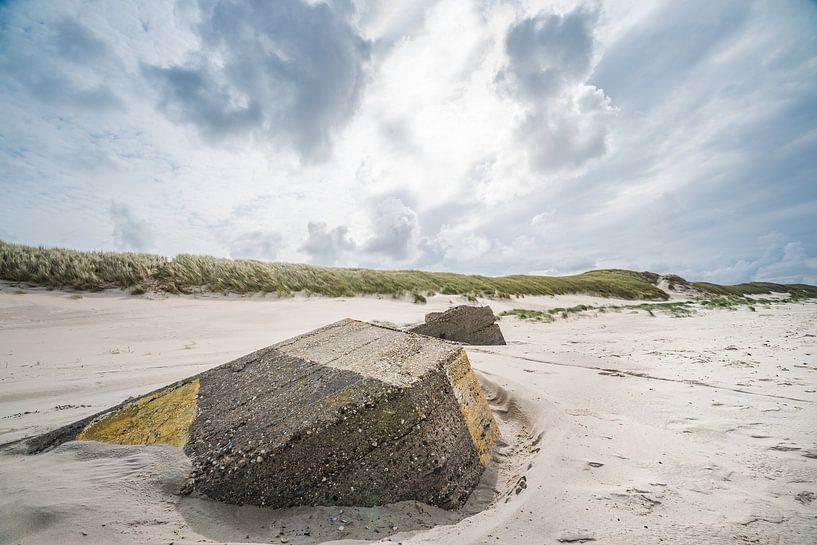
{"type": "Point", "coordinates": [617, 427]}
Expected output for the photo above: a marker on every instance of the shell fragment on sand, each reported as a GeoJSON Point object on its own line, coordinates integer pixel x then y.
{"type": "Point", "coordinates": [465, 324]}
{"type": "Point", "coordinates": [348, 414]}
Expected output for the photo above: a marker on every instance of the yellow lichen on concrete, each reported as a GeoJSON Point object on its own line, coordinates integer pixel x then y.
{"type": "Point", "coordinates": [163, 417]}
{"type": "Point", "coordinates": [473, 406]}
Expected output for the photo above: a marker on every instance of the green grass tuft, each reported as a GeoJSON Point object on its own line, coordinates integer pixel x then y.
{"type": "Point", "coordinates": [527, 314]}
{"type": "Point", "coordinates": [418, 297]}
{"type": "Point", "coordinates": [136, 290]}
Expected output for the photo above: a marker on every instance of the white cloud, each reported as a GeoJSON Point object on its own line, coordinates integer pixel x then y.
{"type": "Point", "coordinates": [541, 219]}
{"type": "Point", "coordinates": [129, 231]}
{"type": "Point", "coordinates": [256, 245]}
{"type": "Point", "coordinates": [471, 136]}
{"type": "Point", "coordinates": [326, 246]}
{"type": "Point", "coordinates": [292, 71]}
{"type": "Point", "coordinates": [549, 60]}
{"type": "Point", "coordinates": [395, 229]}
{"type": "Point", "coordinates": [461, 246]}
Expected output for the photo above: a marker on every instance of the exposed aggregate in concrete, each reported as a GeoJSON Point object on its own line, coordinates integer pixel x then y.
{"type": "Point", "coordinates": [349, 414]}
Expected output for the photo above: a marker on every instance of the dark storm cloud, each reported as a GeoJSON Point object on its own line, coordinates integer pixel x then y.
{"type": "Point", "coordinates": [285, 70]}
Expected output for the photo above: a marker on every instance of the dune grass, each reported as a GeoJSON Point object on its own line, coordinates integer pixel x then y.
{"type": "Point", "coordinates": [139, 273]}
{"type": "Point", "coordinates": [678, 309]}
{"type": "Point", "coordinates": [757, 288]}
{"type": "Point", "coordinates": [63, 268]}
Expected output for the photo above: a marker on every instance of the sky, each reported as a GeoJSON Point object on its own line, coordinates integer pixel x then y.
{"type": "Point", "coordinates": [491, 137]}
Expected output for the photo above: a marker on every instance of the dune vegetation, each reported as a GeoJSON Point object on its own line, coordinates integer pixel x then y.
{"type": "Point", "coordinates": [677, 308]}
{"type": "Point", "coordinates": [59, 268]}
{"type": "Point", "coordinates": [758, 288]}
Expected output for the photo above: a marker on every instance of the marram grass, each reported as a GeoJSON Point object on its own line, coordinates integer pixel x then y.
{"type": "Point", "coordinates": [138, 273]}
{"type": "Point", "coordinates": [677, 309]}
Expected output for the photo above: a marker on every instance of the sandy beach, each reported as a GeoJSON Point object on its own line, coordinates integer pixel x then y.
{"type": "Point", "coordinates": [617, 428]}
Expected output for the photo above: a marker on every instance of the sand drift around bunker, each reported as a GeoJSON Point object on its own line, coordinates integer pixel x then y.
{"type": "Point", "coordinates": [348, 414]}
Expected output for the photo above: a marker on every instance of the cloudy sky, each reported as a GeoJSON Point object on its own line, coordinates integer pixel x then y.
{"type": "Point", "coordinates": [483, 137]}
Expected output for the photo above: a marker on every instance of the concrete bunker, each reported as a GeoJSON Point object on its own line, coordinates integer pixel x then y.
{"type": "Point", "coordinates": [464, 323]}
{"type": "Point", "coordinates": [348, 414]}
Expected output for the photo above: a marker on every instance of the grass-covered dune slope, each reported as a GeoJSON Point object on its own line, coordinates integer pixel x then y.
{"type": "Point", "coordinates": [137, 273]}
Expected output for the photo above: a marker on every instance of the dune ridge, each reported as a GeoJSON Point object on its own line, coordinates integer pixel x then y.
{"type": "Point", "coordinates": [138, 273]}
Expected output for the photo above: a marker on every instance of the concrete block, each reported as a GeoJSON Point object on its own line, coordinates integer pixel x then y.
{"type": "Point", "coordinates": [465, 324]}
{"type": "Point", "coordinates": [348, 414]}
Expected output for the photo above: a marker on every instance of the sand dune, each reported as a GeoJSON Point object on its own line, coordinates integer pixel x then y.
{"type": "Point", "coordinates": [619, 428]}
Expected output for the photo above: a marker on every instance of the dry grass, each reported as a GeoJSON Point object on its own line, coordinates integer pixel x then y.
{"type": "Point", "coordinates": [138, 273]}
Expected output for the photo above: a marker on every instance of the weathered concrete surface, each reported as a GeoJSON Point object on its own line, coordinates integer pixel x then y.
{"type": "Point", "coordinates": [465, 324]}
{"type": "Point", "coordinates": [162, 417]}
{"type": "Point", "coordinates": [348, 414]}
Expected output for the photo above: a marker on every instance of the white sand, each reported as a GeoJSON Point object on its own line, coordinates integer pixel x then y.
{"type": "Point", "coordinates": [699, 429]}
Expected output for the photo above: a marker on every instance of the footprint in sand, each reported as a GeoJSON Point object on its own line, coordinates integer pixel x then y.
{"type": "Point", "coordinates": [784, 448]}
{"type": "Point", "coordinates": [582, 536]}
{"type": "Point", "coordinates": [641, 502]}
{"type": "Point", "coordinates": [805, 497]}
